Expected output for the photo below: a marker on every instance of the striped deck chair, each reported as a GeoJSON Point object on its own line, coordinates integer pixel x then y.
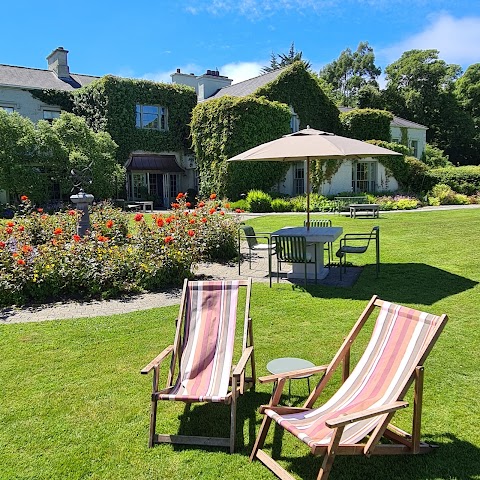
{"type": "Point", "coordinates": [203, 350]}
{"type": "Point", "coordinates": [358, 415]}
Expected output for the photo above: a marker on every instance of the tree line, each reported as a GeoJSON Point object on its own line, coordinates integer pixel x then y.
{"type": "Point", "coordinates": [419, 86]}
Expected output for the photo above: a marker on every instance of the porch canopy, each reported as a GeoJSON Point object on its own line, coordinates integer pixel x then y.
{"type": "Point", "coordinates": [159, 163]}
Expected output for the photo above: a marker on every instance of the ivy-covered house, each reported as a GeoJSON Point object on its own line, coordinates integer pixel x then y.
{"type": "Point", "coordinates": [308, 105]}
{"type": "Point", "coordinates": [149, 121]}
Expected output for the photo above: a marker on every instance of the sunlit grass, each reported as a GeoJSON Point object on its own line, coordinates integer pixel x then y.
{"type": "Point", "coordinates": [73, 404]}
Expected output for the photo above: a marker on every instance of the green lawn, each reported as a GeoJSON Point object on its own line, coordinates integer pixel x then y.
{"type": "Point", "coordinates": [74, 406]}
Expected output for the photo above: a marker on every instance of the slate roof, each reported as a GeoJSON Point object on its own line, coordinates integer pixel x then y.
{"type": "Point", "coordinates": [25, 77]}
{"type": "Point", "coordinates": [247, 87]}
{"type": "Point", "coordinates": [396, 122]}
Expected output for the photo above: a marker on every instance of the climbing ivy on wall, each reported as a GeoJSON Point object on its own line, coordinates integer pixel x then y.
{"type": "Point", "coordinates": [404, 136]}
{"type": "Point", "coordinates": [296, 87]}
{"type": "Point", "coordinates": [62, 98]}
{"type": "Point", "coordinates": [224, 127]}
{"type": "Point", "coordinates": [367, 124]}
{"type": "Point", "coordinates": [109, 104]}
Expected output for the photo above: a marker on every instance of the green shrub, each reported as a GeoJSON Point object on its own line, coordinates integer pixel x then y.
{"type": "Point", "coordinates": [367, 124]}
{"type": "Point", "coordinates": [435, 157]}
{"type": "Point", "coordinates": [465, 180]}
{"type": "Point", "coordinates": [397, 202]}
{"type": "Point", "coordinates": [239, 205]}
{"type": "Point", "coordinates": [299, 204]}
{"type": "Point", "coordinates": [281, 205]}
{"type": "Point", "coordinates": [42, 257]}
{"type": "Point", "coordinates": [444, 194]}
{"type": "Point", "coordinates": [259, 201]}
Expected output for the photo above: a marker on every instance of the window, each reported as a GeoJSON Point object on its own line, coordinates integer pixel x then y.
{"type": "Point", "coordinates": [414, 145]}
{"type": "Point", "coordinates": [151, 117]}
{"type": "Point", "coordinates": [50, 115]}
{"type": "Point", "coordinates": [173, 185]}
{"type": "Point", "coordinates": [395, 140]}
{"type": "Point", "coordinates": [299, 179]}
{"type": "Point", "coordinates": [7, 109]}
{"type": "Point", "coordinates": [364, 177]}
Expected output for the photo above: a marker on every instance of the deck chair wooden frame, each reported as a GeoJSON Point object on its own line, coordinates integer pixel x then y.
{"type": "Point", "coordinates": [220, 381]}
{"type": "Point", "coordinates": [351, 423]}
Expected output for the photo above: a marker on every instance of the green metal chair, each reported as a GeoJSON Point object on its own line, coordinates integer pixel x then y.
{"type": "Point", "coordinates": [346, 247]}
{"type": "Point", "coordinates": [246, 232]}
{"type": "Point", "coordinates": [323, 222]}
{"type": "Point", "coordinates": [293, 249]}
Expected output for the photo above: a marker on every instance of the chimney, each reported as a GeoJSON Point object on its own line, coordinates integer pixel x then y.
{"type": "Point", "coordinates": [57, 63]}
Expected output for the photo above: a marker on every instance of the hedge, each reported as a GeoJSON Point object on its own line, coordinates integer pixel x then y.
{"type": "Point", "coordinates": [464, 180]}
{"type": "Point", "coordinates": [367, 124]}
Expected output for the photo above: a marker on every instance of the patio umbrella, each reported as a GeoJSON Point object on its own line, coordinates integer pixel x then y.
{"type": "Point", "coordinates": [310, 144]}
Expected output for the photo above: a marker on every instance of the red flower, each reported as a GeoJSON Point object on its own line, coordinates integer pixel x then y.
{"type": "Point", "coordinates": [191, 220]}
{"type": "Point", "coordinates": [180, 195]}
{"type": "Point", "coordinates": [9, 230]}
{"type": "Point", "coordinates": [21, 262]}
{"type": "Point", "coordinates": [44, 217]}
{"type": "Point", "coordinates": [204, 220]}
{"type": "Point", "coordinates": [15, 254]}
{"type": "Point", "coordinates": [201, 204]}
{"type": "Point", "coordinates": [58, 231]}
{"type": "Point", "coordinates": [194, 214]}
{"type": "Point", "coordinates": [212, 211]}
{"type": "Point", "coordinates": [188, 204]}
{"type": "Point", "coordinates": [2, 244]}
{"type": "Point", "coordinates": [109, 224]}
{"type": "Point", "coordinates": [21, 228]}
{"type": "Point", "coordinates": [72, 212]}
{"type": "Point", "coordinates": [169, 219]}
{"type": "Point", "coordinates": [27, 249]}
{"type": "Point", "coordinates": [213, 196]}
{"type": "Point", "coordinates": [76, 238]}
{"type": "Point", "coordinates": [191, 233]}
{"type": "Point", "coordinates": [138, 217]}
{"type": "Point", "coordinates": [40, 210]}
{"type": "Point", "coordinates": [23, 198]}
{"type": "Point", "coordinates": [10, 224]}
{"type": "Point", "coordinates": [222, 213]}
{"type": "Point", "coordinates": [237, 210]}
{"type": "Point", "coordinates": [175, 205]}
{"type": "Point", "coordinates": [227, 205]}
{"type": "Point", "coordinates": [160, 222]}
{"type": "Point", "coordinates": [101, 238]}
{"type": "Point", "coordinates": [185, 213]}
{"type": "Point", "coordinates": [169, 239]}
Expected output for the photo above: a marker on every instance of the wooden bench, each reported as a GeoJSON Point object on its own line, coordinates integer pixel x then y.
{"type": "Point", "coordinates": [343, 203]}
{"type": "Point", "coordinates": [368, 208]}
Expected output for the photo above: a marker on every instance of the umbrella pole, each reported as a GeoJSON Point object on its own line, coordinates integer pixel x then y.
{"type": "Point", "coordinates": [308, 193]}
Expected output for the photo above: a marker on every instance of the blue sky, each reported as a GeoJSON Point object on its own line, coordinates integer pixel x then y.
{"type": "Point", "coordinates": [150, 39]}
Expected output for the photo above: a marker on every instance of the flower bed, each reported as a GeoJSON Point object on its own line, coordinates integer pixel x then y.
{"type": "Point", "coordinates": [42, 257]}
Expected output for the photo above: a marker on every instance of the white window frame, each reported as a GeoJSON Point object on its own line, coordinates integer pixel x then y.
{"type": "Point", "coordinates": [50, 117]}
{"type": "Point", "coordinates": [414, 147]}
{"type": "Point", "coordinates": [8, 108]}
{"type": "Point", "coordinates": [161, 122]}
{"type": "Point", "coordinates": [299, 178]}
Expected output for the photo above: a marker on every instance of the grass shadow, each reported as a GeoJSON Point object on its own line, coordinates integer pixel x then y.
{"type": "Point", "coordinates": [454, 458]}
{"type": "Point", "coordinates": [213, 420]}
{"type": "Point", "coordinates": [400, 283]}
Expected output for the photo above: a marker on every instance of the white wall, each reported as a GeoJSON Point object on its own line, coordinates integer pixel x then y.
{"type": "Point", "coordinates": [23, 103]}
{"type": "Point", "coordinates": [418, 134]}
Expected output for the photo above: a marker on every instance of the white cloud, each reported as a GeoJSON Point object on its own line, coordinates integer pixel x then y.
{"type": "Point", "coordinates": [240, 71]}
{"type": "Point", "coordinates": [457, 40]}
{"type": "Point", "coordinates": [256, 8]}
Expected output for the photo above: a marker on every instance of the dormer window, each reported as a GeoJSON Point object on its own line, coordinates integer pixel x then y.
{"type": "Point", "coordinates": [7, 109]}
{"type": "Point", "coordinates": [151, 117]}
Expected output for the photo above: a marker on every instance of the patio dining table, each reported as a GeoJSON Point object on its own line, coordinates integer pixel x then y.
{"type": "Point", "coordinates": [316, 237]}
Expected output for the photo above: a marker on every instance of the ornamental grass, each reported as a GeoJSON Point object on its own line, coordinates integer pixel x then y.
{"type": "Point", "coordinates": [42, 258]}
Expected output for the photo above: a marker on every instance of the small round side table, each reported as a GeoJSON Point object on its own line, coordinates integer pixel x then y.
{"type": "Point", "coordinates": [288, 364]}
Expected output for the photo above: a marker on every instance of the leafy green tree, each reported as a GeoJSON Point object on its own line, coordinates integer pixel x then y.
{"type": "Point", "coordinates": [88, 148]}
{"type": "Point", "coordinates": [467, 92]}
{"type": "Point", "coordinates": [434, 157]}
{"type": "Point", "coordinates": [34, 157]}
{"type": "Point", "coordinates": [420, 87]}
{"type": "Point", "coordinates": [350, 72]}
{"type": "Point", "coordinates": [282, 60]}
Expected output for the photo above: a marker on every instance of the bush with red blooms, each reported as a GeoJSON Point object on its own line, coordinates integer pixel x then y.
{"type": "Point", "coordinates": [43, 258]}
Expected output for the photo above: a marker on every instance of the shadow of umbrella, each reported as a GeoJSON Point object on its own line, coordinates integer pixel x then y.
{"type": "Point", "coordinates": [408, 283]}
